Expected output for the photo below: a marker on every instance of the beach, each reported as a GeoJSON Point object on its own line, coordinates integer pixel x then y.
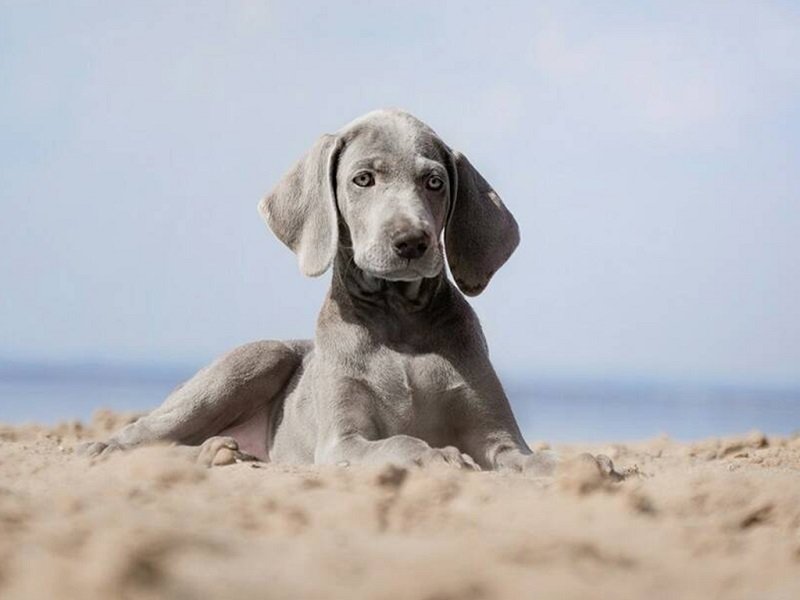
{"type": "Point", "coordinates": [716, 518]}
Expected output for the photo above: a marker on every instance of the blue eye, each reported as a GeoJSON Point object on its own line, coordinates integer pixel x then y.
{"type": "Point", "coordinates": [364, 179]}
{"type": "Point", "coordinates": [434, 183]}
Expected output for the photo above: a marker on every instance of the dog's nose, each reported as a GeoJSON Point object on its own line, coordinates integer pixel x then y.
{"type": "Point", "coordinates": [410, 244]}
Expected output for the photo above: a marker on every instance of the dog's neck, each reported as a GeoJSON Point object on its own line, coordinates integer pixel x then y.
{"type": "Point", "coordinates": [365, 291]}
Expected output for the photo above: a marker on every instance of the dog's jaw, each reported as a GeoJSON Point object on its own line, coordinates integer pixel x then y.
{"type": "Point", "coordinates": [377, 262]}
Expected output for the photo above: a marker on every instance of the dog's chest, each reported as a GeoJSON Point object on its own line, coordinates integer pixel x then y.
{"type": "Point", "coordinates": [415, 391]}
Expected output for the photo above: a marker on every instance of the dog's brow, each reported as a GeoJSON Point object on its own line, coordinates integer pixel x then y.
{"type": "Point", "coordinates": [428, 165]}
{"type": "Point", "coordinates": [375, 163]}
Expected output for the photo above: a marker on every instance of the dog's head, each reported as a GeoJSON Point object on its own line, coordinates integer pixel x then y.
{"type": "Point", "coordinates": [396, 188]}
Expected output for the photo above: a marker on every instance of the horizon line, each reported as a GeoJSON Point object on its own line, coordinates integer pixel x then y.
{"type": "Point", "coordinates": [96, 369]}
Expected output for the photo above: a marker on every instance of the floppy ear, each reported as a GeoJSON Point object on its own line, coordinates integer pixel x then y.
{"type": "Point", "coordinates": [301, 210]}
{"type": "Point", "coordinates": [480, 234]}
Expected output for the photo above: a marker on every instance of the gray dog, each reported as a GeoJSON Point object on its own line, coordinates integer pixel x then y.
{"type": "Point", "coordinates": [399, 371]}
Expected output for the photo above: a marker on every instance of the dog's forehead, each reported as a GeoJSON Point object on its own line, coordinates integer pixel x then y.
{"type": "Point", "coordinates": [392, 136]}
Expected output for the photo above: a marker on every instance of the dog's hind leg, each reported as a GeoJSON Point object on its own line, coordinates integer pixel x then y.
{"type": "Point", "coordinates": [229, 401]}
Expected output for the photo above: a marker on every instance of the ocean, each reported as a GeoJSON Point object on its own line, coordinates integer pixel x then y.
{"type": "Point", "coordinates": [547, 409]}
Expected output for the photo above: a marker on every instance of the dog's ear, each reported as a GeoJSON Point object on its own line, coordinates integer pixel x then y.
{"type": "Point", "coordinates": [301, 210]}
{"type": "Point", "coordinates": [480, 233]}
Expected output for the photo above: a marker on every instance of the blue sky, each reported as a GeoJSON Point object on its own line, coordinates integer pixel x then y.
{"type": "Point", "coordinates": [650, 152]}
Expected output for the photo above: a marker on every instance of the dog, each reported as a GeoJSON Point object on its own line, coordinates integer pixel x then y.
{"type": "Point", "coordinates": [399, 369]}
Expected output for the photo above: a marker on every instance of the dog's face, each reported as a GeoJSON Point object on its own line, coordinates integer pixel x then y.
{"type": "Point", "coordinates": [393, 191]}
{"type": "Point", "coordinates": [395, 187]}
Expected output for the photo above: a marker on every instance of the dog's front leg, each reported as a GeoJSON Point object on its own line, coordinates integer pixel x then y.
{"type": "Point", "coordinates": [400, 450]}
{"type": "Point", "coordinates": [351, 427]}
{"type": "Point", "coordinates": [496, 442]}
{"type": "Point", "coordinates": [487, 429]}
{"type": "Point", "coordinates": [497, 445]}
{"type": "Point", "coordinates": [503, 452]}
{"type": "Point", "coordinates": [519, 458]}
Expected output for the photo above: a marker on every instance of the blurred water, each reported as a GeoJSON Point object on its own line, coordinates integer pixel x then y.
{"type": "Point", "coordinates": [552, 410]}
{"type": "Point", "coordinates": [52, 393]}
{"type": "Point", "coordinates": [563, 411]}
{"type": "Point", "coordinates": [53, 401]}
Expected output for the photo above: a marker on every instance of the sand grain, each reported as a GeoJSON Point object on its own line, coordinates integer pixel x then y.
{"type": "Point", "coordinates": [713, 519]}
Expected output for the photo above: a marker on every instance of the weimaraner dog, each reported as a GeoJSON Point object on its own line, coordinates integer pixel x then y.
{"type": "Point", "coordinates": [399, 370]}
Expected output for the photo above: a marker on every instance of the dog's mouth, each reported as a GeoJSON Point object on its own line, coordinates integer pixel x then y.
{"type": "Point", "coordinates": [409, 270]}
{"type": "Point", "coordinates": [380, 264]}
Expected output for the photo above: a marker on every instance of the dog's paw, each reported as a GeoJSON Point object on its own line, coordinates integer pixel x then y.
{"type": "Point", "coordinates": [586, 473]}
{"type": "Point", "coordinates": [96, 449]}
{"type": "Point", "coordinates": [606, 467]}
{"type": "Point", "coordinates": [449, 456]}
{"type": "Point", "coordinates": [542, 463]}
{"type": "Point", "coordinates": [221, 450]}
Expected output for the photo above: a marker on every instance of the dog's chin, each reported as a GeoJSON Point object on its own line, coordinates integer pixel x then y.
{"type": "Point", "coordinates": [404, 273]}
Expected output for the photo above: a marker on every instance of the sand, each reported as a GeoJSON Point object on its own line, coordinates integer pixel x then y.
{"type": "Point", "coordinates": [713, 519]}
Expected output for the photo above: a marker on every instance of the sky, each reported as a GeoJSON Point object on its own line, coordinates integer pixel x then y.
{"type": "Point", "coordinates": [649, 151]}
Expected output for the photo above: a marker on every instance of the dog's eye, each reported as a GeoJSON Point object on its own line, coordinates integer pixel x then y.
{"type": "Point", "coordinates": [364, 179]}
{"type": "Point", "coordinates": [434, 183]}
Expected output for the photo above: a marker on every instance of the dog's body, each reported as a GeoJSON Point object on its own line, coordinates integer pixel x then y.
{"type": "Point", "coordinates": [399, 370]}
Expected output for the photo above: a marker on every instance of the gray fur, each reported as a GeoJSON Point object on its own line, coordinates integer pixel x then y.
{"type": "Point", "coordinates": [399, 370]}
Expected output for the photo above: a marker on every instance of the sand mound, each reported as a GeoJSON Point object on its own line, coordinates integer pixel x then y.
{"type": "Point", "coordinates": [715, 519]}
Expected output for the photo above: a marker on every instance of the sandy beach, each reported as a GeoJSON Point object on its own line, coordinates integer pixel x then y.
{"type": "Point", "coordinates": [718, 518]}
